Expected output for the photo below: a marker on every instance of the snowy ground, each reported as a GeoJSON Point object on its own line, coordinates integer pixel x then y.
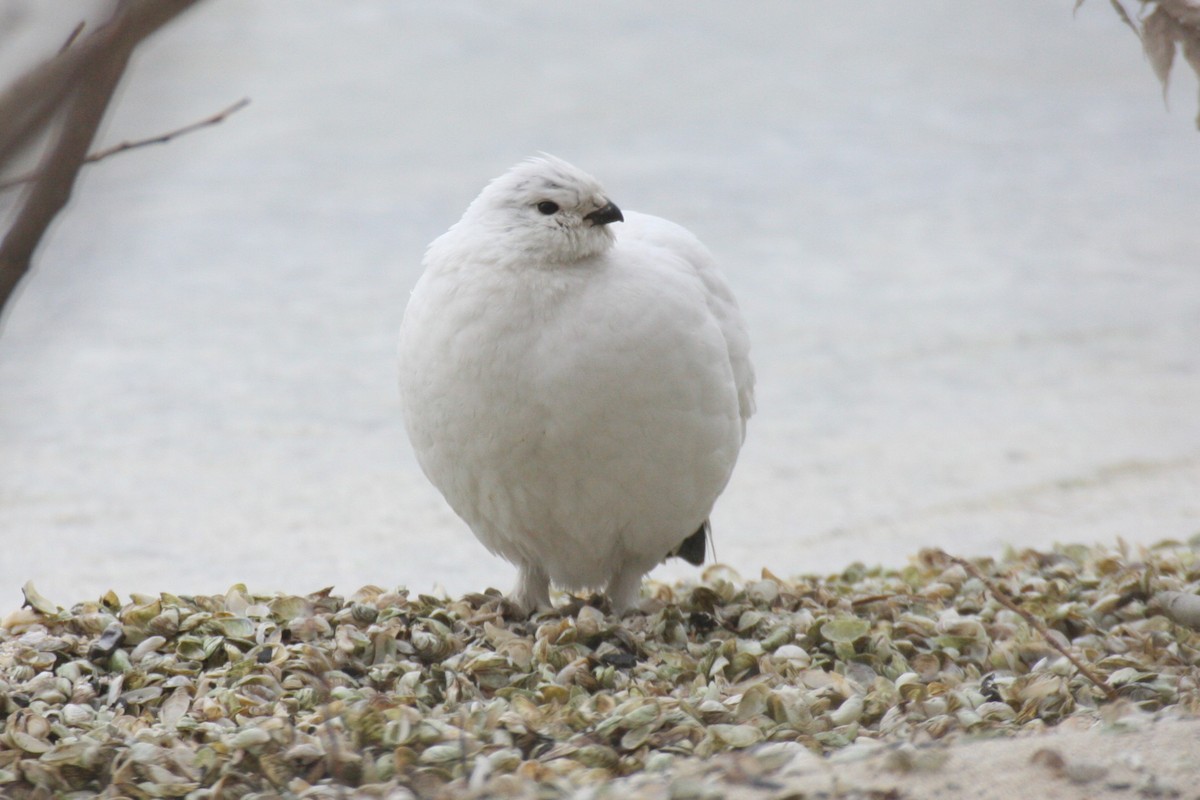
{"type": "Point", "coordinates": [964, 234]}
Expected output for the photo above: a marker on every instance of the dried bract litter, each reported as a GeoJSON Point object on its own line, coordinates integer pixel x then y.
{"type": "Point", "coordinates": [404, 696]}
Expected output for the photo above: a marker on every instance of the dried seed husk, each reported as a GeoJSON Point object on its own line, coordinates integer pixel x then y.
{"type": "Point", "coordinates": [35, 600]}
{"type": "Point", "coordinates": [108, 642]}
{"type": "Point", "coordinates": [318, 688]}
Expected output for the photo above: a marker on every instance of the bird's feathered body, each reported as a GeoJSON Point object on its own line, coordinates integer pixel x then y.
{"type": "Point", "coordinates": [581, 414]}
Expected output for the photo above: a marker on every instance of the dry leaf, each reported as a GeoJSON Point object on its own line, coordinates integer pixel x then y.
{"type": "Point", "coordinates": [175, 706]}
{"type": "Point", "coordinates": [1181, 608]}
{"type": "Point", "coordinates": [34, 600]}
{"type": "Point", "coordinates": [1171, 23]}
{"type": "Point", "coordinates": [1185, 12]}
{"type": "Point", "coordinates": [1191, 49]}
{"type": "Point", "coordinates": [1158, 40]}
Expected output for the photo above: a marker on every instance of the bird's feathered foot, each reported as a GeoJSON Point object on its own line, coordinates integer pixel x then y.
{"type": "Point", "coordinates": [532, 591]}
{"type": "Point", "coordinates": [624, 590]}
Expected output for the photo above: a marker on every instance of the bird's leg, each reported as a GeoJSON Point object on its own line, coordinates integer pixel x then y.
{"type": "Point", "coordinates": [532, 590]}
{"type": "Point", "coordinates": [624, 590]}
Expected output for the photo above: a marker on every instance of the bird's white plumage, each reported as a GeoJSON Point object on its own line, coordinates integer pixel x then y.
{"type": "Point", "coordinates": [578, 391]}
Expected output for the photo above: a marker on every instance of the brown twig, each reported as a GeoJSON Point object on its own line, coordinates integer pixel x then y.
{"type": "Point", "coordinates": [1033, 621]}
{"type": "Point", "coordinates": [878, 598]}
{"type": "Point", "coordinates": [162, 138]}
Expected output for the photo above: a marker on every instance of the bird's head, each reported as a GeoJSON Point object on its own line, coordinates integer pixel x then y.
{"type": "Point", "coordinates": [544, 211]}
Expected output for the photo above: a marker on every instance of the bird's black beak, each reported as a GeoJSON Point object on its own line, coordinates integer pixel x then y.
{"type": "Point", "coordinates": [603, 216]}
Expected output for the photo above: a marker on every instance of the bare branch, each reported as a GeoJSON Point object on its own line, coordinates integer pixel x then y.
{"type": "Point", "coordinates": [209, 121]}
{"type": "Point", "coordinates": [56, 176]}
{"type": "Point", "coordinates": [162, 138]}
{"type": "Point", "coordinates": [79, 82]}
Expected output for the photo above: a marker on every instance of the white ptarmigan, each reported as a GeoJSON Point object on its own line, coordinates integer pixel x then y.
{"type": "Point", "coordinates": [577, 390]}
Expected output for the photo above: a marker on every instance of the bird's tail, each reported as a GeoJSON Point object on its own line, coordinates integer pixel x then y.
{"type": "Point", "coordinates": [692, 548]}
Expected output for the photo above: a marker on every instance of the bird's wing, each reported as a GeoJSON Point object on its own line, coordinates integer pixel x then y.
{"type": "Point", "coordinates": [721, 302]}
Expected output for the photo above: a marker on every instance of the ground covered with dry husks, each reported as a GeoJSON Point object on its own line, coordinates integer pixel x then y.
{"type": "Point", "coordinates": [387, 694]}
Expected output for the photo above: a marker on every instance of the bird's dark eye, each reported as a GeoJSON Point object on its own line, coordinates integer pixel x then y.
{"type": "Point", "coordinates": [548, 207]}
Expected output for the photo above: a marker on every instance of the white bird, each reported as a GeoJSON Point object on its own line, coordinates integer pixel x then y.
{"type": "Point", "coordinates": [578, 394]}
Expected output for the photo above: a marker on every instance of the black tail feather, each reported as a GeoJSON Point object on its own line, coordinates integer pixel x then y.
{"type": "Point", "coordinates": [692, 548]}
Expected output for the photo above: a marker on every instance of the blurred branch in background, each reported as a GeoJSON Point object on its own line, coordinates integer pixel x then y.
{"type": "Point", "coordinates": [162, 138]}
{"type": "Point", "coordinates": [1170, 25]}
{"type": "Point", "coordinates": [67, 96]}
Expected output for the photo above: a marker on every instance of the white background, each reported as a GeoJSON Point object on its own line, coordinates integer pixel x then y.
{"type": "Point", "coordinates": [966, 237]}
